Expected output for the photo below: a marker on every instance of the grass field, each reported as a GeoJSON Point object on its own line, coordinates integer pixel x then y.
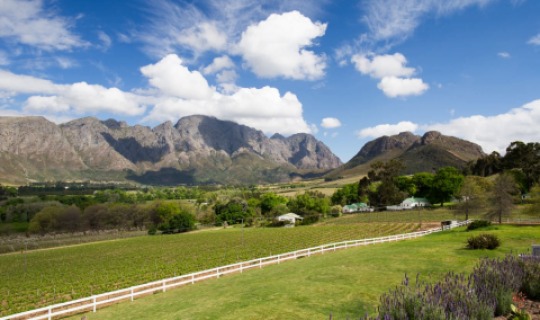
{"type": "Point", "coordinates": [346, 284]}
{"type": "Point", "coordinates": [38, 278]}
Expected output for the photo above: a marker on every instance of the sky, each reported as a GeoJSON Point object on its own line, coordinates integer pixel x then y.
{"type": "Point", "coordinates": [346, 71]}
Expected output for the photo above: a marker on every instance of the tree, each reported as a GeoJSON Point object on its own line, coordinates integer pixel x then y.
{"type": "Point", "coordinates": [44, 221]}
{"type": "Point", "coordinates": [270, 201]}
{"type": "Point", "coordinates": [446, 183]}
{"type": "Point", "coordinates": [471, 195]}
{"type": "Point", "coordinates": [535, 201]}
{"type": "Point", "coordinates": [346, 195]}
{"type": "Point", "coordinates": [182, 222]}
{"type": "Point", "coordinates": [234, 211]}
{"type": "Point", "coordinates": [387, 192]}
{"type": "Point", "coordinates": [406, 185]}
{"type": "Point", "coordinates": [524, 156]}
{"type": "Point", "coordinates": [501, 197]}
{"type": "Point", "coordinates": [422, 182]}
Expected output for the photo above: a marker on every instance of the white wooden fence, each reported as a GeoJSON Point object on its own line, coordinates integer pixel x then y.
{"type": "Point", "coordinates": [129, 294]}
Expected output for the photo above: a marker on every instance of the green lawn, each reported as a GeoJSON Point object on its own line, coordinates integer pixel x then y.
{"type": "Point", "coordinates": [346, 283]}
{"type": "Point", "coordinates": [39, 278]}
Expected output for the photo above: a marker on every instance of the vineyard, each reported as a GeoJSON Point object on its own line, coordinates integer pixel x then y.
{"type": "Point", "coordinates": [39, 278]}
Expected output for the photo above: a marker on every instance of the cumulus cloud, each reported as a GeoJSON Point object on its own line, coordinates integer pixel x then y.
{"type": "Point", "coordinates": [387, 65]}
{"type": "Point", "coordinates": [28, 23]}
{"type": "Point", "coordinates": [262, 108]}
{"type": "Point", "coordinates": [387, 129]}
{"type": "Point", "coordinates": [394, 87]}
{"type": "Point", "coordinates": [391, 69]}
{"type": "Point", "coordinates": [494, 133]}
{"type": "Point", "coordinates": [330, 123]}
{"type": "Point", "coordinates": [218, 64]}
{"type": "Point", "coordinates": [265, 109]}
{"type": "Point", "coordinates": [174, 79]}
{"type": "Point", "coordinates": [276, 47]}
{"type": "Point", "coordinates": [535, 40]}
{"type": "Point", "coordinates": [203, 37]}
{"type": "Point", "coordinates": [79, 98]}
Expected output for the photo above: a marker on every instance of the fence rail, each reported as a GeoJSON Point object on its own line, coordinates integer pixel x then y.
{"type": "Point", "coordinates": [129, 294]}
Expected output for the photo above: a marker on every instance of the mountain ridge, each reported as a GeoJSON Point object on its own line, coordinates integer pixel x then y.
{"type": "Point", "coordinates": [428, 152]}
{"type": "Point", "coordinates": [201, 149]}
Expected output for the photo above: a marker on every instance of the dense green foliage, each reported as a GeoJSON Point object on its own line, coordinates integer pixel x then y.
{"type": "Point", "coordinates": [521, 158]}
{"type": "Point", "coordinates": [446, 183]}
{"type": "Point", "coordinates": [38, 278]}
{"type": "Point", "coordinates": [483, 241]}
{"type": "Point", "coordinates": [477, 224]}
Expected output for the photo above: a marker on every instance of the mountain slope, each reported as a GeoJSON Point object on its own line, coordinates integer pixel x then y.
{"type": "Point", "coordinates": [429, 152]}
{"type": "Point", "coordinates": [198, 149]}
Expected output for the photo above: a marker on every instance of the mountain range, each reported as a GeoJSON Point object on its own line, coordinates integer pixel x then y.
{"type": "Point", "coordinates": [425, 153]}
{"type": "Point", "coordinates": [195, 150]}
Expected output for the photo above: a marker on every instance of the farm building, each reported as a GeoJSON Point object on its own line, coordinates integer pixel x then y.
{"type": "Point", "coordinates": [410, 203]}
{"type": "Point", "coordinates": [291, 217]}
{"type": "Point", "coordinates": [415, 202]}
{"type": "Point", "coordinates": [357, 207]}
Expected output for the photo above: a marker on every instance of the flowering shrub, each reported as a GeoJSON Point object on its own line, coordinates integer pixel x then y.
{"type": "Point", "coordinates": [485, 293]}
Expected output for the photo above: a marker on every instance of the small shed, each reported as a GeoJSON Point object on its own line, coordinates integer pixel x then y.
{"type": "Point", "coordinates": [291, 217]}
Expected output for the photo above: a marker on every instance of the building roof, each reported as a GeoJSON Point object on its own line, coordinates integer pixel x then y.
{"type": "Point", "coordinates": [290, 215]}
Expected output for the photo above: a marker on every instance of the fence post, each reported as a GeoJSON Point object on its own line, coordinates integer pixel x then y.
{"type": "Point", "coordinates": [94, 303]}
{"type": "Point", "coordinates": [242, 267]}
{"type": "Point", "coordinates": [163, 285]}
{"type": "Point", "coordinates": [49, 314]}
{"type": "Point", "coordinates": [260, 263]}
{"type": "Point", "coordinates": [308, 252]}
{"type": "Point", "coordinates": [131, 294]}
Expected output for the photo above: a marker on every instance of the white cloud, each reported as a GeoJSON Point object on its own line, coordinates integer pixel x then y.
{"type": "Point", "coordinates": [391, 69]}
{"type": "Point", "coordinates": [106, 41]}
{"type": "Point", "coordinates": [388, 65]}
{"type": "Point", "coordinates": [495, 133]}
{"type": "Point", "coordinates": [80, 98]}
{"type": "Point", "coordinates": [520, 124]}
{"type": "Point", "coordinates": [329, 123]}
{"type": "Point", "coordinates": [394, 87]}
{"type": "Point", "coordinates": [387, 129]}
{"type": "Point", "coordinates": [218, 64]}
{"type": "Point", "coordinates": [535, 40]}
{"type": "Point", "coordinates": [173, 79]}
{"type": "Point", "coordinates": [27, 22]}
{"type": "Point", "coordinates": [276, 46]}
{"type": "Point", "coordinates": [262, 108]}
{"type": "Point", "coordinates": [504, 55]}
{"type": "Point", "coordinates": [203, 37]}
{"type": "Point", "coordinates": [25, 84]}
{"type": "Point", "coordinates": [4, 60]}
{"type": "Point", "coordinates": [196, 23]}
{"type": "Point", "coordinates": [390, 20]}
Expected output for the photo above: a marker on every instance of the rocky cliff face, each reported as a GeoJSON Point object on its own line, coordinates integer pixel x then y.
{"type": "Point", "coordinates": [429, 152]}
{"type": "Point", "coordinates": [197, 146]}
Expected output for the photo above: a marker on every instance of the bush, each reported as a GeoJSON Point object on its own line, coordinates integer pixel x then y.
{"type": "Point", "coordinates": [478, 224]}
{"type": "Point", "coordinates": [483, 241]}
{"type": "Point", "coordinates": [531, 282]}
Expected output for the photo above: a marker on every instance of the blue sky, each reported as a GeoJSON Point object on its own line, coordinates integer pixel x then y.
{"type": "Point", "coordinates": [346, 71]}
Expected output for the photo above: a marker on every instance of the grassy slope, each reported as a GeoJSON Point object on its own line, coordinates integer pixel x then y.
{"type": "Point", "coordinates": [346, 283]}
